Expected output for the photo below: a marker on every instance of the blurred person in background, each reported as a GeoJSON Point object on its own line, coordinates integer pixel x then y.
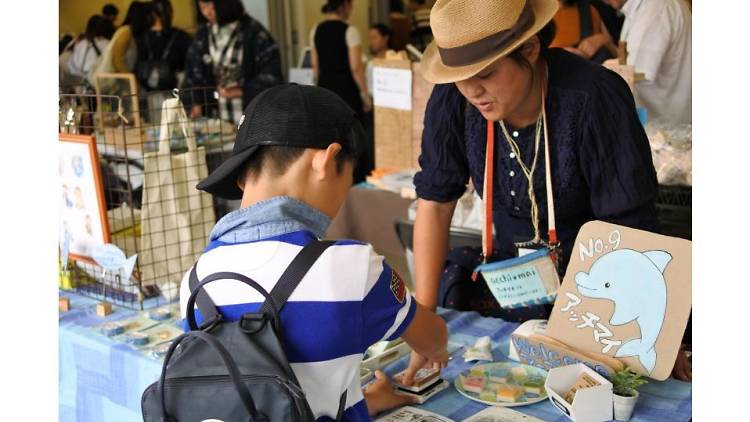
{"type": "Point", "coordinates": [659, 42]}
{"type": "Point", "coordinates": [580, 31]}
{"type": "Point", "coordinates": [124, 51]}
{"type": "Point", "coordinates": [379, 38]}
{"type": "Point", "coordinates": [336, 53]}
{"type": "Point", "coordinates": [88, 48]}
{"type": "Point", "coordinates": [161, 50]}
{"type": "Point", "coordinates": [110, 12]}
{"type": "Point", "coordinates": [234, 53]}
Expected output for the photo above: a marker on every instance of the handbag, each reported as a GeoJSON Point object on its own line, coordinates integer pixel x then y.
{"type": "Point", "coordinates": [176, 218]}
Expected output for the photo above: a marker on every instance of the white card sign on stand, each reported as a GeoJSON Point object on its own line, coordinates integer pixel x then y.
{"type": "Point", "coordinates": [392, 88]}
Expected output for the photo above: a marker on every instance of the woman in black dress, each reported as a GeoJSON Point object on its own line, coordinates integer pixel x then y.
{"type": "Point", "coordinates": [336, 54]}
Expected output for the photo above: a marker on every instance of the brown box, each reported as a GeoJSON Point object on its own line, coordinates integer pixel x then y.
{"type": "Point", "coordinates": [103, 308]}
{"type": "Point", "coordinates": [64, 304]}
{"type": "Point", "coordinates": [398, 133]}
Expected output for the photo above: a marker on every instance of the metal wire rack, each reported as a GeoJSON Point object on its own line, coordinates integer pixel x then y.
{"type": "Point", "coordinates": [126, 128]}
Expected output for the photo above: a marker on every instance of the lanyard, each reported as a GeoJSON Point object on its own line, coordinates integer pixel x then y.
{"type": "Point", "coordinates": [487, 239]}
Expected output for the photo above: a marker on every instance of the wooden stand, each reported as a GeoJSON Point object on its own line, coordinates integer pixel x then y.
{"type": "Point", "coordinates": [64, 304]}
{"type": "Point", "coordinates": [103, 309]}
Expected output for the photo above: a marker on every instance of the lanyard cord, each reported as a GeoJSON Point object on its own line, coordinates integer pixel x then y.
{"type": "Point", "coordinates": [528, 172]}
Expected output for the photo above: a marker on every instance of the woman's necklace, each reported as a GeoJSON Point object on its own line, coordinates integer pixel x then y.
{"type": "Point", "coordinates": [529, 173]}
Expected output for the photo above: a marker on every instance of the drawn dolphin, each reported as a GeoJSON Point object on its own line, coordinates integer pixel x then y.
{"type": "Point", "coordinates": [634, 281]}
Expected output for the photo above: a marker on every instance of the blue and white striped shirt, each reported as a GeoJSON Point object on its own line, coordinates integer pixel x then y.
{"type": "Point", "coordinates": [348, 300]}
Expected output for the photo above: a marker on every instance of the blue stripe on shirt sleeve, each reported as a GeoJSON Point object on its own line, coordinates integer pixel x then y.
{"type": "Point", "coordinates": [379, 309]}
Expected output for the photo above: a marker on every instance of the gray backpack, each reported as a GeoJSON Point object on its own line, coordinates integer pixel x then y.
{"type": "Point", "coordinates": [234, 371]}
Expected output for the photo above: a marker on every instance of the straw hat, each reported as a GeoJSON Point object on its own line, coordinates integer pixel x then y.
{"type": "Point", "coordinates": [472, 34]}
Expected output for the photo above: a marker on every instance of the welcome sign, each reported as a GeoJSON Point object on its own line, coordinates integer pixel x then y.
{"type": "Point", "coordinates": [626, 294]}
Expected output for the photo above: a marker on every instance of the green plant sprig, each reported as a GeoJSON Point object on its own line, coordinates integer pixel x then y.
{"type": "Point", "coordinates": [626, 381]}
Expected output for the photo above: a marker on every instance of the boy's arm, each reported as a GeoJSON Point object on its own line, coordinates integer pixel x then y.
{"type": "Point", "coordinates": [427, 334]}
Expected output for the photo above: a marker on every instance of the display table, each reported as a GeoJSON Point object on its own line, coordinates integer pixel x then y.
{"type": "Point", "coordinates": [103, 380]}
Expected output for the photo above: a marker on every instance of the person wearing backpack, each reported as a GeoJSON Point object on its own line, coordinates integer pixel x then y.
{"type": "Point", "coordinates": [87, 50]}
{"type": "Point", "coordinates": [292, 166]}
{"type": "Point", "coordinates": [161, 50]}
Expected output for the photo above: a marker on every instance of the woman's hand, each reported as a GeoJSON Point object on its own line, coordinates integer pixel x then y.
{"type": "Point", "coordinates": [196, 111]}
{"type": "Point", "coordinates": [683, 369]}
{"type": "Point", "coordinates": [417, 362]}
{"type": "Point", "coordinates": [366, 103]}
{"type": "Point", "coordinates": [590, 45]}
{"type": "Point", "coordinates": [381, 396]}
{"type": "Point", "coordinates": [233, 92]}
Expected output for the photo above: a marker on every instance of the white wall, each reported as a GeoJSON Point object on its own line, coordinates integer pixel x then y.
{"type": "Point", "coordinates": [258, 9]}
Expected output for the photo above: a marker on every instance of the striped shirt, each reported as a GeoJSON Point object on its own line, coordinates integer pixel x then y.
{"type": "Point", "coordinates": [348, 300]}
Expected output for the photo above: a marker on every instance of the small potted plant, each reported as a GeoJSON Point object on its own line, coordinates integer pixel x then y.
{"type": "Point", "coordinates": [625, 383]}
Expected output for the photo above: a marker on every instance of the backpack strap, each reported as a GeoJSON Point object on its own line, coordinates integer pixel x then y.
{"type": "Point", "coordinates": [294, 274]}
{"type": "Point", "coordinates": [342, 405]}
{"type": "Point", "coordinates": [584, 19]}
{"type": "Point", "coordinates": [205, 304]}
{"type": "Point", "coordinates": [288, 281]}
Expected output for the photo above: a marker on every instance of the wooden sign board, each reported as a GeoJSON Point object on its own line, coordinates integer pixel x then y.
{"type": "Point", "coordinates": [626, 294]}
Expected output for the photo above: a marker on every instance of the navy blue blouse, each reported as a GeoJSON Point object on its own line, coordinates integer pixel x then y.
{"type": "Point", "coordinates": [601, 159]}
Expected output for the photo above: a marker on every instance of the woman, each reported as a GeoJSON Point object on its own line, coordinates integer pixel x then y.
{"type": "Point", "coordinates": [124, 53]}
{"type": "Point", "coordinates": [493, 65]}
{"type": "Point", "coordinates": [337, 56]}
{"type": "Point", "coordinates": [580, 31]}
{"type": "Point", "coordinates": [161, 49]}
{"type": "Point", "coordinates": [234, 53]}
{"type": "Point", "coordinates": [337, 65]}
{"type": "Point", "coordinates": [89, 47]}
{"type": "Point", "coordinates": [379, 38]}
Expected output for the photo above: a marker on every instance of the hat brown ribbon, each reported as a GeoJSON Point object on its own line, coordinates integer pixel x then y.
{"type": "Point", "coordinates": [477, 50]}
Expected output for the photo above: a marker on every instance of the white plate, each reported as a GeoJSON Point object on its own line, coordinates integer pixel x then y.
{"type": "Point", "coordinates": [503, 367]}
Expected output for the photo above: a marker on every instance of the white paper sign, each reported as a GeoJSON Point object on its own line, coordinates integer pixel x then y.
{"type": "Point", "coordinates": [392, 88]}
{"type": "Point", "coordinates": [302, 76]}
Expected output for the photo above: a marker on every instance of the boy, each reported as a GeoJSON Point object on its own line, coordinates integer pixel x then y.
{"type": "Point", "coordinates": [292, 166]}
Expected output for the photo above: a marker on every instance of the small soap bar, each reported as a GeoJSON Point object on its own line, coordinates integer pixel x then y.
{"type": "Point", "coordinates": [137, 339]}
{"type": "Point", "coordinates": [518, 372]}
{"type": "Point", "coordinates": [112, 329]}
{"type": "Point", "coordinates": [510, 393]}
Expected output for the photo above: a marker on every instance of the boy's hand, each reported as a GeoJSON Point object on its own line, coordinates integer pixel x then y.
{"type": "Point", "coordinates": [381, 396]}
{"type": "Point", "coordinates": [417, 362]}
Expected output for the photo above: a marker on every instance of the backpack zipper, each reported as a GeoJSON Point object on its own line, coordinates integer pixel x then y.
{"type": "Point", "coordinates": [290, 388]}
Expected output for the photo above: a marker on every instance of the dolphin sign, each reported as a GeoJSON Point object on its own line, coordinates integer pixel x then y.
{"type": "Point", "coordinates": [634, 281]}
{"type": "Point", "coordinates": [112, 258]}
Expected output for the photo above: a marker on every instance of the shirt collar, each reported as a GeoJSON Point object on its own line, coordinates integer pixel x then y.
{"type": "Point", "coordinates": [271, 217]}
{"type": "Point", "coordinates": [630, 7]}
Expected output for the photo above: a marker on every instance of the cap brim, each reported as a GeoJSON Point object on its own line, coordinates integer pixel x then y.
{"type": "Point", "coordinates": [433, 69]}
{"type": "Point", "coordinates": [222, 182]}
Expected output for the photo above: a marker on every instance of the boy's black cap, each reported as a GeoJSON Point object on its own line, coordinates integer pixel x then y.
{"type": "Point", "coordinates": [288, 115]}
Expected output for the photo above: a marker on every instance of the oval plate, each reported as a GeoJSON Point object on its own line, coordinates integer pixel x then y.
{"type": "Point", "coordinates": [503, 369]}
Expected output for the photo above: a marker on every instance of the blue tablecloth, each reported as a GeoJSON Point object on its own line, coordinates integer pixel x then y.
{"type": "Point", "coordinates": [101, 379]}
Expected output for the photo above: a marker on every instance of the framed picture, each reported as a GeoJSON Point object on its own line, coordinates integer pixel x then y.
{"type": "Point", "coordinates": [114, 91]}
{"type": "Point", "coordinates": [83, 216]}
